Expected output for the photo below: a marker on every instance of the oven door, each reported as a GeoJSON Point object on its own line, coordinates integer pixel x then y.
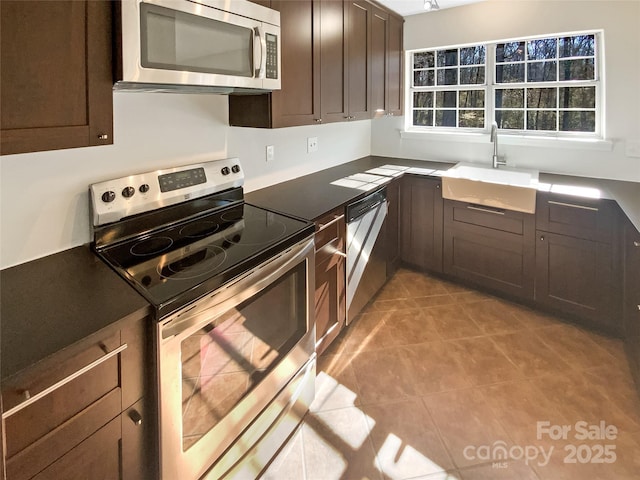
{"type": "Point", "coordinates": [223, 360]}
{"type": "Point", "coordinates": [189, 44]}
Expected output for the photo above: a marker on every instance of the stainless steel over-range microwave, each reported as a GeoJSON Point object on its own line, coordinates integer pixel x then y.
{"type": "Point", "coordinates": [218, 46]}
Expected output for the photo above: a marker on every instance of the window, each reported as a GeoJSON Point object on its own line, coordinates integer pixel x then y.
{"type": "Point", "coordinates": [544, 86]}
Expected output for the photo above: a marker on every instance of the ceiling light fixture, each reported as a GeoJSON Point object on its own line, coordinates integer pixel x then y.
{"type": "Point", "coordinates": [430, 5]}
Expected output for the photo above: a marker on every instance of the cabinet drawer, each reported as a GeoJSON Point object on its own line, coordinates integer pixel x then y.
{"type": "Point", "coordinates": [591, 219]}
{"type": "Point", "coordinates": [329, 228]}
{"type": "Point", "coordinates": [489, 217]}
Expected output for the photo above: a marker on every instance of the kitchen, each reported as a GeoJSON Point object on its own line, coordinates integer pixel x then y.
{"type": "Point", "coordinates": [153, 130]}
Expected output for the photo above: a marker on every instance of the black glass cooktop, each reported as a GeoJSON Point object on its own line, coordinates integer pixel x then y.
{"type": "Point", "coordinates": [174, 266]}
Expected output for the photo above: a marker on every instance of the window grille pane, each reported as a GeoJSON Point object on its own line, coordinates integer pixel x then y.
{"type": "Point", "coordinates": [583, 69]}
{"type": "Point", "coordinates": [446, 118]}
{"type": "Point", "coordinates": [541, 72]}
{"type": "Point", "coordinates": [472, 76]}
{"type": "Point", "coordinates": [510, 98]}
{"type": "Point", "coordinates": [472, 118]}
{"type": "Point", "coordinates": [510, 73]}
{"type": "Point", "coordinates": [510, 52]}
{"type": "Point", "coordinates": [423, 118]}
{"type": "Point", "coordinates": [472, 55]}
{"type": "Point", "coordinates": [423, 99]}
{"type": "Point", "coordinates": [541, 98]}
{"type": "Point", "coordinates": [543, 49]}
{"type": "Point", "coordinates": [510, 119]}
{"type": "Point", "coordinates": [446, 99]}
{"type": "Point", "coordinates": [471, 99]}
{"type": "Point", "coordinates": [448, 58]}
{"type": "Point", "coordinates": [578, 46]}
{"type": "Point", "coordinates": [577, 121]}
{"type": "Point", "coordinates": [423, 60]}
{"type": "Point", "coordinates": [541, 120]}
{"type": "Point", "coordinates": [577, 97]}
{"type": "Point", "coordinates": [423, 78]}
{"type": "Point", "coordinates": [448, 76]}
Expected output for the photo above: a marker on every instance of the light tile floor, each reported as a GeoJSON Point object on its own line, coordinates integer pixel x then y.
{"type": "Point", "coordinates": [434, 381]}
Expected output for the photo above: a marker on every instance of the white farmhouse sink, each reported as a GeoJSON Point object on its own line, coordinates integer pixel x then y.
{"type": "Point", "coordinates": [507, 188]}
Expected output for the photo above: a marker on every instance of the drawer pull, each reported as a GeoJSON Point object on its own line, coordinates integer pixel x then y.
{"type": "Point", "coordinates": [636, 243]}
{"type": "Point", "coordinates": [572, 205]}
{"type": "Point", "coordinates": [328, 224]}
{"type": "Point", "coordinates": [135, 417]}
{"type": "Point", "coordinates": [32, 399]}
{"type": "Point", "coordinates": [486, 210]}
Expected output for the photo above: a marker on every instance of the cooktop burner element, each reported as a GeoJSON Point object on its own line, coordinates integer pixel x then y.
{"type": "Point", "coordinates": [199, 229]}
{"type": "Point", "coordinates": [194, 265]}
{"type": "Point", "coordinates": [151, 246]}
{"type": "Point", "coordinates": [258, 233]}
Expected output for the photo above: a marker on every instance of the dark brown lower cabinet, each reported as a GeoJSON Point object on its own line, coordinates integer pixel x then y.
{"type": "Point", "coordinates": [579, 277]}
{"type": "Point", "coordinates": [330, 276]}
{"type": "Point", "coordinates": [82, 414]}
{"type": "Point", "coordinates": [392, 227]}
{"type": "Point", "coordinates": [579, 258]}
{"type": "Point", "coordinates": [421, 222]}
{"type": "Point", "coordinates": [631, 307]}
{"type": "Point", "coordinates": [490, 247]}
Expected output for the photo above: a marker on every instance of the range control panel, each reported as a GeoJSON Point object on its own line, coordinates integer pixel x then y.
{"type": "Point", "coordinates": [115, 199]}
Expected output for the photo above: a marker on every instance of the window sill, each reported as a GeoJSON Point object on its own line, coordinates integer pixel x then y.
{"type": "Point", "coordinates": [506, 139]}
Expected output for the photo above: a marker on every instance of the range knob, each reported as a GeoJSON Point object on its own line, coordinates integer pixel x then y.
{"type": "Point", "coordinates": [108, 196]}
{"type": "Point", "coordinates": [225, 171]}
{"type": "Point", "coordinates": [128, 192]}
{"type": "Point", "coordinates": [235, 168]}
{"type": "Point", "coordinates": [144, 188]}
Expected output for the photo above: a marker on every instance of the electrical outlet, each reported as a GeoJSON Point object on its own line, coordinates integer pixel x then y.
{"type": "Point", "coordinates": [312, 144]}
{"type": "Point", "coordinates": [270, 153]}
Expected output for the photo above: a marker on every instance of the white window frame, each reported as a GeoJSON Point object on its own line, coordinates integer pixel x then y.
{"type": "Point", "coordinates": [525, 137]}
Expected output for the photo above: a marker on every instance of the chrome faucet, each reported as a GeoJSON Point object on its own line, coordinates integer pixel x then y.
{"type": "Point", "coordinates": [494, 139]}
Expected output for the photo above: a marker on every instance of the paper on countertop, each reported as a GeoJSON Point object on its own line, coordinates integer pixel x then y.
{"type": "Point", "coordinates": [395, 167]}
{"type": "Point", "coordinates": [357, 184]}
{"type": "Point", "coordinates": [365, 177]}
{"type": "Point", "coordinates": [387, 172]}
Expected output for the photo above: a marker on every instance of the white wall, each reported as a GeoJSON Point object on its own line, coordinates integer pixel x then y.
{"type": "Point", "coordinates": [504, 19]}
{"type": "Point", "coordinates": [44, 206]}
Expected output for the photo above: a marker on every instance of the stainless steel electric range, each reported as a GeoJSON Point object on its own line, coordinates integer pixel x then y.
{"type": "Point", "coordinates": [232, 287]}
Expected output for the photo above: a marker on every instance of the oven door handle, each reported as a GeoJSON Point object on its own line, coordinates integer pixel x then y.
{"type": "Point", "coordinates": [236, 292]}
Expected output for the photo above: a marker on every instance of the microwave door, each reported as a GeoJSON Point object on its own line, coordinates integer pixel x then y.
{"type": "Point", "coordinates": [183, 43]}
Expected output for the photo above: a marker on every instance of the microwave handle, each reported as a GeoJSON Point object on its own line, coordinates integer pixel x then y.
{"type": "Point", "coordinates": [261, 42]}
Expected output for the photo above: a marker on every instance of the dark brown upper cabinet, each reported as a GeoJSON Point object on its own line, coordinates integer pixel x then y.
{"type": "Point", "coordinates": [395, 76]}
{"type": "Point", "coordinates": [56, 75]}
{"type": "Point", "coordinates": [327, 61]}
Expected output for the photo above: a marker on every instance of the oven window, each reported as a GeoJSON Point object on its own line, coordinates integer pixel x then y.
{"type": "Point", "coordinates": [225, 360]}
{"type": "Point", "coordinates": [173, 40]}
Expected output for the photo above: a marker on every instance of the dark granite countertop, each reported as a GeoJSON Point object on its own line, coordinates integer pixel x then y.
{"type": "Point", "coordinates": [54, 302]}
{"type": "Point", "coordinates": [312, 195]}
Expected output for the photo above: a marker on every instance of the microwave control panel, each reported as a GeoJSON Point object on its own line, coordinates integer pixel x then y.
{"type": "Point", "coordinates": [272, 55]}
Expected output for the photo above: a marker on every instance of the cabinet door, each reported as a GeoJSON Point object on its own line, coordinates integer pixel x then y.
{"type": "Point", "coordinates": [333, 61]}
{"type": "Point", "coordinates": [330, 294]}
{"type": "Point", "coordinates": [579, 277]}
{"type": "Point", "coordinates": [392, 232]}
{"type": "Point", "coordinates": [298, 102]}
{"type": "Point", "coordinates": [421, 222]}
{"type": "Point", "coordinates": [379, 59]}
{"type": "Point", "coordinates": [97, 458]}
{"type": "Point", "coordinates": [632, 296]}
{"type": "Point", "coordinates": [360, 19]}
{"type": "Point", "coordinates": [56, 75]}
{"type": "Point", "coordinates": [395, 76]}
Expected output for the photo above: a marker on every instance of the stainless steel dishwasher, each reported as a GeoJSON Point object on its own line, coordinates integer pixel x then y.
{"type": "Point", "coordinates": [366, 262]}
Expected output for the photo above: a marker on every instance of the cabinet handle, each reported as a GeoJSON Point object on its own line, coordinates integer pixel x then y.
{"type": "Point", "coordinates": [103, 136]}
{"type": "Point", "coordinates": [328, 224]}
{"type": "Point", "coordinates": [135, 417]}
{"type": "Point", "coordinates": [318, 120]}
{"type": "Point", "coordinates": [636, 243]}
{"type": "Point", "coordinates": [438, 186]}
{"type": "Point", "coordinates": [572, 205]}
{"type": "Point", "coordinates": [486, 210]}
{"type": "Point", "coordinates": [32, 399]}
{"type": "Point", "coordinates": [542, 238]}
